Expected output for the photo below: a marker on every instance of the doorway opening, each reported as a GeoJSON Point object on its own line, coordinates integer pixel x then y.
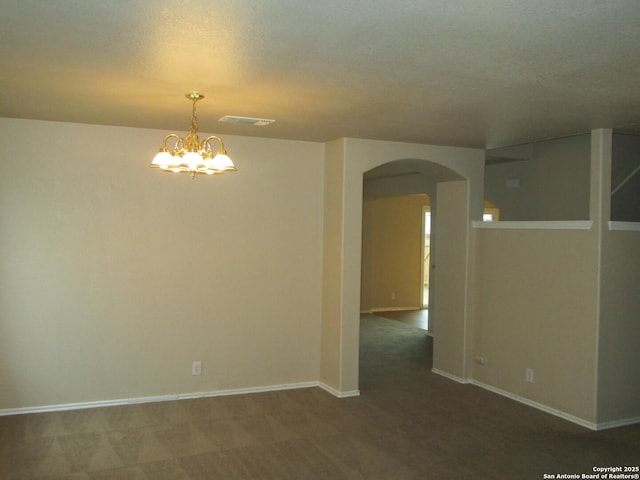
{"type": "Point", "coordinates": [426, 256]}
{"type": "Point", "coordinates": [393, 257]}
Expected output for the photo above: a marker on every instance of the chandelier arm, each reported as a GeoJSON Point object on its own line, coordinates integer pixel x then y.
{"type": "Point", "coordinates": [219, 140]}
{"type": "Point", "coordinates": [178, 140]}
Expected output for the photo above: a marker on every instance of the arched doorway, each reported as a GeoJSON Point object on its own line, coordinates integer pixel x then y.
{"type": "Point", "coordinates": [395, 198]}
{"type": "Point", "coordinates": [457, 175]}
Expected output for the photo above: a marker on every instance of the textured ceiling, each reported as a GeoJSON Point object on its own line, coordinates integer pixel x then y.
{"type": "Point", "coordinates": [453, 72]}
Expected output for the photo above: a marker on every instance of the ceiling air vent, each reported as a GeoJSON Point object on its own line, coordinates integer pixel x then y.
{"type": "Point", "coordinates": [258, 122]}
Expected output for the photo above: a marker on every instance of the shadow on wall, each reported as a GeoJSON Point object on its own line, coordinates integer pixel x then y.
{"type": "Point", "coordinates": [548, 180]}
{"type": "Point", "coordinates": [625, 178]}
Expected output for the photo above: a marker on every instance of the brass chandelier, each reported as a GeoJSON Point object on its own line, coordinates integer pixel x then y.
{"type": "Point", "coordinates": [189, 154]}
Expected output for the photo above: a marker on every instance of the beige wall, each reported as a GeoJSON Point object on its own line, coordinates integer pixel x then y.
{"type": "Point", "coordinates": [330, 370]}
{"type": "Point", "coordinates": [422, 183]}
{"type": "Point", "coordinates": [619, 329]}
{"type": "Point", "coordinates": [564, 303]}
{"type": "Point", "coordinates": [554, 182]}
{"type": "Point", "coordinates": [115, 276]}
{"type": "Point", "coordinates": [536, 307]}
{"type": "Point", "coordinates": [452, 268]}
{"type": "Point", "coordinates": [392, 247]}
{"type": "Point", "coordinates": [619, 355]}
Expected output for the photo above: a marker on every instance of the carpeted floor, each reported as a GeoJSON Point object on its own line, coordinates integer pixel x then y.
{"type": "Point", "coordinates": [407, 424]}
{"type": "Point", "coordinates": [391, 351]}
{"type": "Point", "coordinates": [415, 318]}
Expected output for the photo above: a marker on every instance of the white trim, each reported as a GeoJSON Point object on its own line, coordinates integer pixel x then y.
{"type": "Point", "coordinates": [159, 398]}
{"type": "Point", "coordinates": [450, 376]}
{"type": "Point", "coordinates": [393, 309]}
{"type": "Point", "coordinates": [62, 407]}
{"type": "Point", "coordinates": [539, 406]}
{"type": "Point", "coordinates": [242, 391]}
{"type": "Point", "coordinates": [323, 386]}
{"type": "Point", "coordinates": [625, 226]}
{"type": "Point", "coordinates": [543, 225]}
{"type": "Point", "coordinates": [338, 393]}
{"type": "Point", "coordinates": [618, 423]}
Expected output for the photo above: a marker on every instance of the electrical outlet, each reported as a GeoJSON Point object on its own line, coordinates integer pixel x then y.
{"type": "Point", "coordinates": [529, 375]}
{"type": "Point", "coordinates": [196, 368]}
{"type": "Point", "coordinates": [393, 295]}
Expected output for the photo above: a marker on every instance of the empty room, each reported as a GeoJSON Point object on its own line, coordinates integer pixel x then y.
{"type": "Point", "coordinates": [319, 240]}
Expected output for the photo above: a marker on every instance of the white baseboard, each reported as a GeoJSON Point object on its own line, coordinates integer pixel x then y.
{"type": "Point", "coordinates": [558, 413]}
{"type": "Point", "coordinates": [241, 391]}
{"type": "Point", "coordinates": [173, 397]}
{"type": "Point", "coordinates": [450, 376]}
{"type": "Point", "coordinates": [158, 398]}
{"type": "Point", "coordinates": [539, 406]}
{"type": "Point", "coordinates": [625, 422]}
{"type": "Point", "coordinates": [338, 393]}
{"type": "Point", "coordinates": [68, 406]}
{"type": "Point", "coordinates": [324, 386]}
{"type": "Point", "coordinates": [393, 309]}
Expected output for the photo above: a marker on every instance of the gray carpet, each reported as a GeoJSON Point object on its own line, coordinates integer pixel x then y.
{"type": "Point", "coordinates": [407, 424]}
{"type": "Point", "coordinates": [391, 351]}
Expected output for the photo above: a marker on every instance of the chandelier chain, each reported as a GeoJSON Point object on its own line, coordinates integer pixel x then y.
{"type": "Point", "coordinates": [194, 118]}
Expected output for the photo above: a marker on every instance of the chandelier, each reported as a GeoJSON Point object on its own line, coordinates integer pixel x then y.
{"type": "Point", "coordinates": [189, 154]}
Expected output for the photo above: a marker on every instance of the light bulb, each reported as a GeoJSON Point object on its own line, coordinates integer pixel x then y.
{"type": "Point", "coordinates": [192, 159]}
{"type": "Point", "coordinates": [162, 159]}
{"type": "Point", "coordinates": [220, 162]}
